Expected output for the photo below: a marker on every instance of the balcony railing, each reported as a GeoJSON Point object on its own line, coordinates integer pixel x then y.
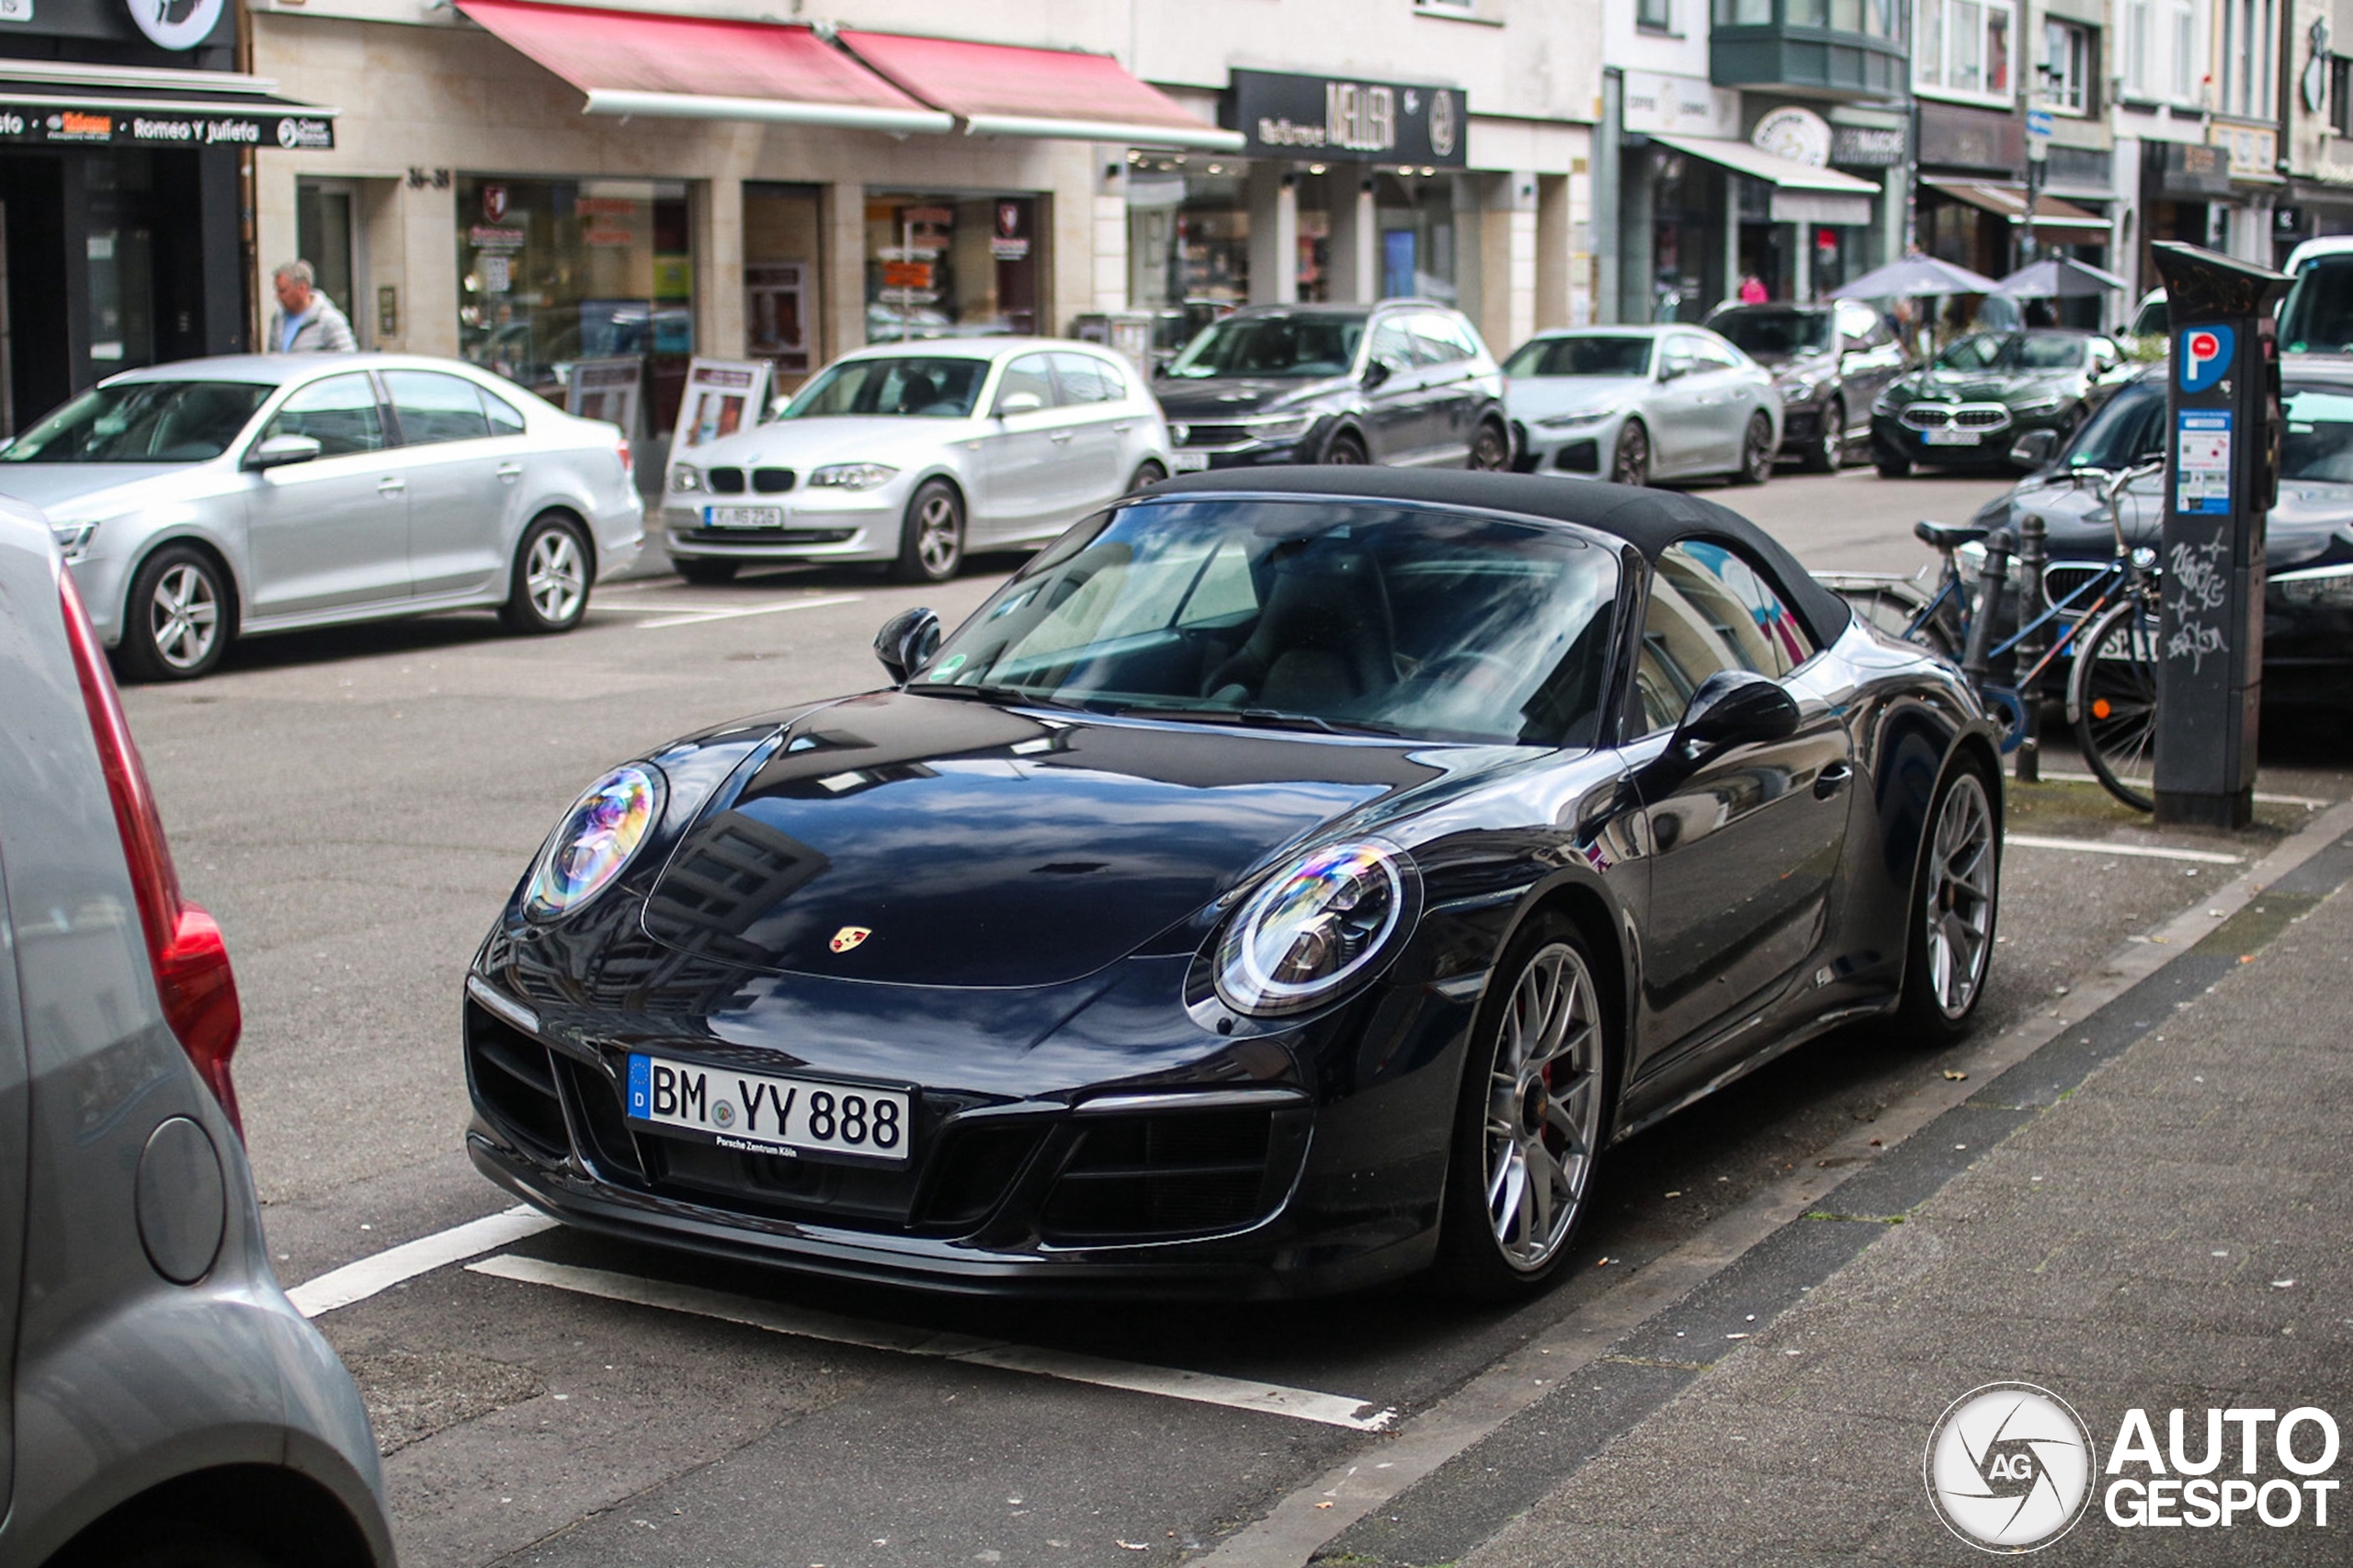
{"type": "Point", "coordinates": [1844, 49]}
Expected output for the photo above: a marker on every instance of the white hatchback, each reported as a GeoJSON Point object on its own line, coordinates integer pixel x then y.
{"type": "Point", "coordinates": [913, 453]}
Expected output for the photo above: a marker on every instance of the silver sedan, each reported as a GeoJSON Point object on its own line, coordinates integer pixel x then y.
{"type": "Point", "coordinates": [1635, 403]}
{"type": "Point", "coordinates": [212, 499]}
{"type": "Point", "coordinates": [911, 453]}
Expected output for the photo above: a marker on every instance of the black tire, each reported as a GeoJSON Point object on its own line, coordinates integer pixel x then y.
{"type": "Point", "coordinates": [1829, 449]}
{"type": "Point", "coordinates": [1756, 451]}
{"type": "Point", "coordinates": [1490, 449]}
{"type": "Point", "coordinates": [546, 589]}
{"type": "Point", "coordinates": [931, 535]}
{"type": "Point", "coordinates": [1892, 466]}
{"type": "Point", "coordinates": [704, 571]}
{"type": "Point", "coordinates": [1148, 472]}
{"type": "Point", "coordinates": [163, 1543]}
{"type": "Point", "coordinates": [1345, 449]}
{"type": "Point", "coordinates": [1630, 463]}
{"type": "Point", "coordinates": [179, 617]}
{"type": "Point", "coordinates": [2112, 700]}
{"type": "Point", "coordinates": [1477, 1258]}
{"type": "Point", "coordinates": [1959, 882]}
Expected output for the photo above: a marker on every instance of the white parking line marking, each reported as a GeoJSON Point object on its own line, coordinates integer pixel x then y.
{"type": "Point", "coordinates": [1169, 1382]}
{"type": "Point", "coordinates": [357, 1281]}
{"type": "Point", "coordinates": [696, 617]}
{"type": "Point", "coordinates": [2134, 851]}
{"type": "Point", "coordinates": [2051, 776]}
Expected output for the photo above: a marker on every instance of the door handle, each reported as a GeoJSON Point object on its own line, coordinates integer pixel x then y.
{"type": "Point", "coordinates": [391, 486]}
{"type": "Point", "coordinates": [1831, 779]}
{"type": "Point", "coordinates": [510, 473]}
{"type": "Point", "coordinates": [1059, 437]}
{"type": "Point", "coordinates": [1123, 426]}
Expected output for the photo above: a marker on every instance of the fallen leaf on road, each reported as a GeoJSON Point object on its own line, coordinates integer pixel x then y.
{"type": "Point", "coordinates": [1135, 1546]}
{"type": "Point", "coordinates": [2282, 1284]}
{"type": "Point", "coordinates": [1952, 1077]}
{"type": "Point", "coordinates": [2247, 957]}
{"type": "Point", "coordinates": [1322, 1504]}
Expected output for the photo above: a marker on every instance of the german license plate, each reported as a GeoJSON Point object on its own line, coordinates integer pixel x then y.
{"type": "Point", "coordinates": [1187, 463]}
{"type": "Point", "coordinates": [760, 1114]}
{"type": "Point", "coordinates": [1952, 438]}
{"type": "Point", "coordinates": [742, 517]}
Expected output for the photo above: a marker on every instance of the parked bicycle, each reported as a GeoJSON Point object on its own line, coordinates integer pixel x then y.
{"type": "Point", "coordinates": [2102, 631]}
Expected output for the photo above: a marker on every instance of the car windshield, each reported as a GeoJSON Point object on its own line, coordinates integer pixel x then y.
{"type": "Point", "coordinates": [942, 388]}
{"type": "Point", "coordinates": [1345, 616]}
{"type": "Point", "coordinates": [2318, 317]}
{"type": "Point", "coordinates": [1273, 345]}
{"type": "Point", "coordinates": [142, 422]}
{"type": "Point", "coordinates": [1608, 355]}
{"type": "Point", "coordinates": [2013, 351]}
{"type": "Point", "coordinates": [1767, 331]}
{"type": "Point", "coordinates": [2316, 435]}
{"type": "Point", "coordinates": [2130, 429]}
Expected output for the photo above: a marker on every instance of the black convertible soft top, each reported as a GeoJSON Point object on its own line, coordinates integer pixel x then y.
{"type": "Point", "coordinates": [1648, 519]}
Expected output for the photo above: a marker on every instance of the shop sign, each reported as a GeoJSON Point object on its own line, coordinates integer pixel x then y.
{"type": "Point", "coordinates": [606, 389]}
{"type": "Point", "coordinates": [176, 24]}
{"type": "Point", "coordinates": [1679, 106]}
{"type": "Point", "coordinates": [159, 128]}
{"type": "Point", "coordinates": [1866, 147]}
{"type": "Point", "coordinates": [723, 396]}
{"type": "Point", "coordinates": [1954, 136]}
{"type": "Point", "coordinates": [1334, 120]}
{"type": "Point", "coordinates": [1009, 244]}
{"type": "Point", "coordinates": [2186, 168]}
{"type": "Point", "coordinates": [1796, 134]}
{"type": "Point", "coordinates": [485, 238]}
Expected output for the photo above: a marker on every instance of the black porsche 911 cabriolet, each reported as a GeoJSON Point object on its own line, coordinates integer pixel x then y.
{"type": "Point", "coordinates": [1283, 881]}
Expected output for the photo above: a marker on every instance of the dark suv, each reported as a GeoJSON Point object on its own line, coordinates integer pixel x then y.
{"type": "Point", "coordinates": [1404, 381]}
{"type": "Point", "coordinates": [1830, 362]}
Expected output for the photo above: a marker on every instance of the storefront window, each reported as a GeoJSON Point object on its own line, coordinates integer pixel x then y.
{"type": "Point", "coordinates": [1417, 220]}
{"type": "Point", "coordinates": [553, 272]}
{"type": "Point", "coordinates": [780, 247]}
{"type": "Point", "coordinates": [951, 266]}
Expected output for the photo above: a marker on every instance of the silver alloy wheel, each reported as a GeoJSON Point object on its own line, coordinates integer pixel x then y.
{"type": "Point", "coordinates": [555, 577]}
{"type": "Point", "coordinates": [935, 542]}
{"type": "Point", "coordinates": [1833, 437]}
{"type": "Point", "coordinates": [1543, 1119]}
{"type": "Point", "coordinates": [1757, 452]}
{"type": "Point", "coordinates": [184, 616]}
{"type": "Point", "coordinates": [1959, 912]}
{"type": "Point", "coordinates": [1632, 463]}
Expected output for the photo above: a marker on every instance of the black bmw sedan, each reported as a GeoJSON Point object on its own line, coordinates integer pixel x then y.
{"type": "Point", "coordinates": [1405, 382]}
{"type": "Point", "coordinates": [1967, 406]}
{"type": "Point", "coordinates": [2308, 537]}
{"type": "Point", "coordinates": [1281, 883]}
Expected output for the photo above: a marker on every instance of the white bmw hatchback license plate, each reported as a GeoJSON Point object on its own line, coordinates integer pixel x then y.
{"type": "Point", "coordinates": [1951, 437]}
{"type": "Point", "coordinates": [1187, 463]}
{"type": "Point", "coordinates": [742, 517]}
{"type": "Point", "coordinates": [758, 1114]}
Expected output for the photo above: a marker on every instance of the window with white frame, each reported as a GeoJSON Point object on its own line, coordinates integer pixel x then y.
{"type": "Point", "coordinates": [2181, 82]}
{"type": "Point", "coordinates": [2138, 70]}
{"type": "Point", "coordinates": [1655, 16]}
{"type": "Point", "coordinates": [1961, 48]}
{"type": "Point", "coordinates": [2068, 59]}
{"type": "Point", "coordinates": [2249, 29]}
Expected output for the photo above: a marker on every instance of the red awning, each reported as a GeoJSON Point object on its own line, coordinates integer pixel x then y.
{"type": "Point", "coordinates": [1001, 90]}
{"type": "Point", "coordinates": [703, 68]}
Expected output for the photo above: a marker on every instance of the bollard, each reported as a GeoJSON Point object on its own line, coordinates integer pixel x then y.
{"type": "Point", "coordinates": [2033, 642]}
{"type": "Point", "coordinates": [1977, 658]}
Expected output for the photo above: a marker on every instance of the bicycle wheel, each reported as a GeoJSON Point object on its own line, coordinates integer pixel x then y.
{"type": "Point", "coordinates": [2112, 700]}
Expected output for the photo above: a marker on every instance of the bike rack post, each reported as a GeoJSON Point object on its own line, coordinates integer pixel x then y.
{"type": "Point", "coordinates": [1976, 659]}
{"type": "Point", "coordinates": [2034, 640]}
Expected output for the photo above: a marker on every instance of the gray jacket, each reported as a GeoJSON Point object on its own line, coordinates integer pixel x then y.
{"type": "Point", "coordinates": [324, 331]}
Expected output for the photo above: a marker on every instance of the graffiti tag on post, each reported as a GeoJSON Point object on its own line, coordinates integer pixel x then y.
{"type": "Point", "coordinates": [2198, 590]}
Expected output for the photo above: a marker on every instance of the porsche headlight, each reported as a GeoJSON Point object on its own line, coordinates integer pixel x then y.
{"type": "Point", "coordinates": [684, 478]}
{"type": "Point", "coordinates": [600, 836]}
{"type": "Point", "coordinates": [1317, 928]}
{"type": "Point", "coordinates": [851, 476]}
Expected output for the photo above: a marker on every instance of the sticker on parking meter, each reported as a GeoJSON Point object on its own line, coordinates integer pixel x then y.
{"type": "Point", "coordinates": [2203, 461]}
{"type": "Point", "coordinates": [2205, 357]}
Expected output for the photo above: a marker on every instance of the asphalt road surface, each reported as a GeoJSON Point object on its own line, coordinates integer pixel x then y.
{"type": "Point", "coordinates": [355, 805]}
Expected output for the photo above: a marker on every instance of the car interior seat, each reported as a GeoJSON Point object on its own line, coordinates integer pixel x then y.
{"type": "Point", "coordinates": [1323, 638]}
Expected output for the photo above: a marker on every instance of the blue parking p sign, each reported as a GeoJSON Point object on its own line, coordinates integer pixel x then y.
{"type": "Point", "coordinates": [2204, 354]}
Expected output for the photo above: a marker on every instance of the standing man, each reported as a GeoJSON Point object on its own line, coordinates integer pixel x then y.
{"type": "Point", "coordinates": [306, 320]}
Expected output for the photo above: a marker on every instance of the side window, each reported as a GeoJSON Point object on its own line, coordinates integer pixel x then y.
{"type": "Point", "coordinates": [1713, 356]}
{"type": "Point", "coordinates": [1677, 358]}
{"type": "Point", "coordinates": [339, 413]}
{"type": "Point", "coordinates": [433, 408]}
{"type": "Point", "coordinates": [1082, 380]}
{"type": "Point", "coordinates": [1029, 374]}
{"type": "Point", "coordinates": [504, 418]}
{"type": "Point", "coordinates": [1437, 342]}
{"type": "Point", "coordinates": [1858, 324]}
{"type": "Point", "coordinates": [1681, 647]}
{"type": "Point", "coordinates": [1392, 345]}
{"type": "Point", "coordinates": [1740, 605]}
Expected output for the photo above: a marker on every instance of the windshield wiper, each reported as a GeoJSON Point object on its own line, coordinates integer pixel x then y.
{"type": "Point", "coordinates": [995, 694]}
{"type": "Point", "coordinates": [1260, 718]}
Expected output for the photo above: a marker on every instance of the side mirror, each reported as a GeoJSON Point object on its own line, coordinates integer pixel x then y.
{"type": "Point", "coordinates": [1674, 370]}
{"type": "Point", "coordinates": [1019, 403]}
{"type": "Point", "coordinates": [906, 641]}
{"type": "Point", "coordinates": [1734, 707]}
{"type": "Point", "coordinates": [1377, 371]}
{"type": "Point", "coordinates": [279, 450]}
{"type": "Point", "coordinates": [2035, 448]}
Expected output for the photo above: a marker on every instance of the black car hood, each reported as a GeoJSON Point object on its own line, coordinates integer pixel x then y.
{"type": "Point", "coordinates": [2311, 526]}
{"type": "Point", "coordinates": [1230, 397]}
{"type": "Point", "coordinates": [987, 846]}
{"type": "Point", "coordinates": [1976, 386]}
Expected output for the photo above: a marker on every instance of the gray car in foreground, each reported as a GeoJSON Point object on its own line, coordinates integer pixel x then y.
{"type": "Point", "coordinates": [161, 1403]}
{"type": "Point", "coordinates": [214, 499]}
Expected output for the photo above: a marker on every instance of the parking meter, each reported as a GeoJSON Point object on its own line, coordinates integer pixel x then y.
{"type": "Point", "coordinates": [2223, 408]}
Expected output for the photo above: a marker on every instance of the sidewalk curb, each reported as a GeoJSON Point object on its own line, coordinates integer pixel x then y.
{"type": "Point", "coordinates": [1745, 1267]}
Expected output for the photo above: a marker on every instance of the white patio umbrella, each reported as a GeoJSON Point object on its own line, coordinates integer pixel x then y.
{"type": "Point", "coordinates": [1917, 275]}
{"type": "Point", "coordinates": [2058, 277]}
